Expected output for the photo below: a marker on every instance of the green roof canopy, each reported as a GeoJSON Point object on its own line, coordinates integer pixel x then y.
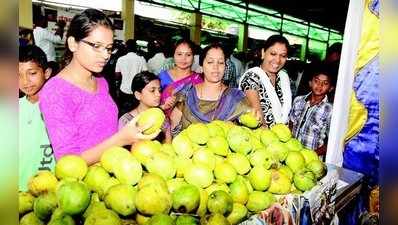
{"type": "Point", "coordinates": [241, 12]}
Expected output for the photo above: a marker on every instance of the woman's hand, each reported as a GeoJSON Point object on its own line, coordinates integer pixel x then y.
{"type": "Point", "coordinates": [254, 101]}
{"type": "Point", "coordinates": [132, 133]}
{"type": "Point", "coordinates": [258, 114]}
{"type": "Point", "coordinates": [128, 135]}
{"type": "Point", "coordinates": [169, 103]}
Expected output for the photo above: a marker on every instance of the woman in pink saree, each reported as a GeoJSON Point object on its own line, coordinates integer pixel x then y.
{"type": "Point", "coordinates": [174, 80]}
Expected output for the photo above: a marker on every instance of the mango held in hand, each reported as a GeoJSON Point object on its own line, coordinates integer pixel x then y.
{"type": "Point", "coordinates": [248, 120]}
{"type": "Point", "coordinates": [154, 116]}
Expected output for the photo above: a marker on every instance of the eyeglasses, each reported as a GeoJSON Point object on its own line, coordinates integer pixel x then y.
{"type": "Point", "coordinates": [99, 48]}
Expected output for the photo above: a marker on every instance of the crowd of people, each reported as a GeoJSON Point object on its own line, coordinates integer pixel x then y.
{"type": "Point", "coordinates": [94, 99]}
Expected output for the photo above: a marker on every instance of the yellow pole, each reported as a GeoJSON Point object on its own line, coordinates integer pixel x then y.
{"type": "Point", "coordinates": [25, 14]}
{"type": "Point", "coordinates": [128, 19]}
{"type": "Point", "coordinates": [196, 26]}
{"type": "Point", "coordinates": [243, 37]}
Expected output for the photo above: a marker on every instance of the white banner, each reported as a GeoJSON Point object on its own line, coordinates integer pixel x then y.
{"type": "Point", "coordinates": [342, 99]}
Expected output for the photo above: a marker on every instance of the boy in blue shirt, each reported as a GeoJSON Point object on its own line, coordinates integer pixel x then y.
{"type": "Point", "coordinates": [310, 116]}
{"type": "Point", "coordinates": [35, 152]}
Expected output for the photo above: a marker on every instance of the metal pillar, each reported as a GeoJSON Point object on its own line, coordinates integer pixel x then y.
{"type": "Point", "coordinates": [25, 14]}
{"type": "Point", "coordinates": [128, 19]}
{"type": "Point", "coordinates": [243, 37]}
{"type": "Point", "coordinates": [196, 26]}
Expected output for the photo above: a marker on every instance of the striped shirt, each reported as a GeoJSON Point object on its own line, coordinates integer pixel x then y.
{"type": "Point", "coordinates": [310, 123]}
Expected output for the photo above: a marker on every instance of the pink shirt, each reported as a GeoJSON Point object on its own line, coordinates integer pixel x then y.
{"type": "Point", "coordinates": [77, 120]}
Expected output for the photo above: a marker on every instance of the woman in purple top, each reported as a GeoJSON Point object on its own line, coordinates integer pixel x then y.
{"type": "Point", "coordinates": [174, 80]}
{"type": "Point", "coordinates": [80, 115]}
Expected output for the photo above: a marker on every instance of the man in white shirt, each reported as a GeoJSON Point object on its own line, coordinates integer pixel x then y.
{"type": "Point", "coordinates": [127, 67]}
{"type": "Point", "coordinates": [155, 63]}
{"type": "Point", "coordinates": [45, 39]}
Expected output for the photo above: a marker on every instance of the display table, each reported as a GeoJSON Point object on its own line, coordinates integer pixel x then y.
{"type": "Point", "coordinates": [322, 203]}
{"type": "Point", "coordinates": [348, 187]}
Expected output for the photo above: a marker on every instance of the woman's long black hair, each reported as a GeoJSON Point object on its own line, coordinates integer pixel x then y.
{"type": "Point", "coordinates": [82, 24]}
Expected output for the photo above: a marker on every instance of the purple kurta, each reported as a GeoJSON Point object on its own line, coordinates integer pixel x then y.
{"type": "Point", "coordinates": [77, 120]}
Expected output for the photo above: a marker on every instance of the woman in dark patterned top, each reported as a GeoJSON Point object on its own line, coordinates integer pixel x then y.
{"type": "Point", "coordinates": [267, 87]}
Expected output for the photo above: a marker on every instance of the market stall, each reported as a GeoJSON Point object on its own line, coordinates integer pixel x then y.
{"type": "Point", "coordinates": [210, 172]}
